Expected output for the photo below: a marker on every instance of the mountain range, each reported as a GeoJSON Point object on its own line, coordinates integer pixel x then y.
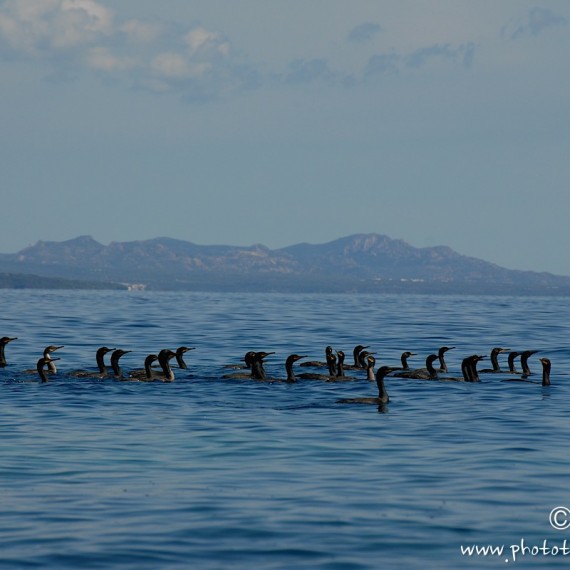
{"type": "Point", "coordinates": [364, 263]}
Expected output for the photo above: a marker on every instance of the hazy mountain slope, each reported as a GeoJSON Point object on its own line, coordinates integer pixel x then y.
{"type": "Point", "coordinates": [362, 262]}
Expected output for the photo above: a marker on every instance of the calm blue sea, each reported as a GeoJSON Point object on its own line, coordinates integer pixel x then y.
{"type": "Point", "coordinates": [212, 474]}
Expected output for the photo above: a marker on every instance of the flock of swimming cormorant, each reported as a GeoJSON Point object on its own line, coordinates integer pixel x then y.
{"type": "Point", "coordinates": [253, 367]}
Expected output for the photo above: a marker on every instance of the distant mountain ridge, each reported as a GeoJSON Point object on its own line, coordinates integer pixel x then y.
{"type": "Point", "coordinates": [357, 263]}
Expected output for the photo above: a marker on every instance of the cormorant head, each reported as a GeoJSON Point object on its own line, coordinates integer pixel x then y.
{"type": "Point", "coordinates": [166, 353]}
{"type": "Point", "coordinates": [385, 370]}
{"type": "Point", "coordinates": [150, 359]}
{"type": "Point", "coordinates": [431, 359]}
{"type": "Point", "coordinates": [262, 355]}
{"type": "Point", "coordinates": [294, 357]}
{"type": "Point", "coordinates": [118, 353]}
{"type": "Point", "coordinates": [51, 348]}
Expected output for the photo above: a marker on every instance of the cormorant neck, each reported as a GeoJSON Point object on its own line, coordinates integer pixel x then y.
{"type": "Point", "coordinates": [148, 369]}
{"type": "Point", "coordinates": [356, 353]}
{"type": "Point", "coordinates": [257, 370]}
{"type": "Point", "coordinates": [100, 356]}
{"type": "Point", "coordinates": [495, 360]}
{"type": "Point", "coordinates": [168, 374]}
{"type": "Point", "coordinates": [340, 365]}
{"type": "Point", "coordinates": [524, 363]}
{"type": "Point", "coordinates": [331, 362]}
{"type": "Point", "coordinates": [40, 368]}
{"type": "Point", "coordinates": [289, 369]}
{"type": "Point", "coordinates": [546, 373]}
{"type": "Point", "coordinates": [511, 361]}
{"type": "Point", "coordinates": [469, 370]}
{"type": "Point", "coordinates": [431, 370]}
{"type": "Point", "coordinates": [382, 394]}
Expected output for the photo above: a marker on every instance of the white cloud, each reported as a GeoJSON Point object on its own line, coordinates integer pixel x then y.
{"type": "Point", "coordinates": [194, 61]}
{"type": "Point", "coordinates": [91, 15]}
{"type": "Point", "coordinates": [102, 59]}
{"type": "Point", "coordinates": [141, 32]}
{"type": "Point", "coordinates": [42, 27]}
{"type": "Point", "coordinates": [151, 54]}
{"type": "Point", "coordinates": [170, 65]}
{"type": "Point", "coordinates": [202, 42]}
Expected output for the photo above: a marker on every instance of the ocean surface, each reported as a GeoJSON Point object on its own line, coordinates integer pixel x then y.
{"type": "Point", "coordinates": [210, 473]}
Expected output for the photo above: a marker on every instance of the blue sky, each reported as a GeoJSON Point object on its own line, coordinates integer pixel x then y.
{"type": "Point", "coordinates": [277, 122]}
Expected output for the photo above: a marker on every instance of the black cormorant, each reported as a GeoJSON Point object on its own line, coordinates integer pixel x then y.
{"type": "Point", "coordinates": [525, 355]}
{"type": "Point", "coordinates": [441, 356]}
{"type": "Point", "coordinates": [100, 360]}
{"type": "Point", "coordinates": [318, 363]}
{"type": "Point", "coordinates": [291, 359]}
{"type": "Point", "coordinates": [495, 360]}
{"type": "Point", "coordinates": [370, 363]}
{"type": "Point", "coordinates": [546, 366]}
{"type": "Point", "coordinates": [115, 357]}
{"type": "Point", "coordinates": [247, 359]}
{"type": "Point", "coordinates": [3, 342]}
{"type": "Point", "coordinates": [511, 361]}
{"type": "Point", "coordinates": [468, 369]}
{"type": "Point", "coordinates": [257, 369]}
{"type": "Point", "coordinates": [164, 357]}
{"type": "Point", "coordinates": [427, 373]}
{"type": "Point", "coordinates": [51, 368]}
{"type": "Point", "coordinates": [43, 361]}
{"type": "Point", "coordinates": [404, 359]}
{"type": "Point", "coordinates": [356, 355]}
{"type": "Point", "coordinates": [382, 398]}
{"type": "Point", "coordinates": [148, 373]}
{"type": "Point", "coordinates": [545, 371]}
{"type": "Point", "coordinates": [340, 367]}
{"type": "Point", "coordinates": [180, 355]}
